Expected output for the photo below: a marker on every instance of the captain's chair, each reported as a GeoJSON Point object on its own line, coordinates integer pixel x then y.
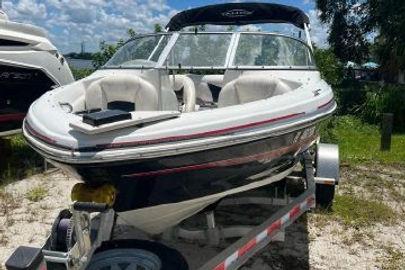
{"type": "Point", "coordinates": [249, 88]}
{"type": "Point", "coordinates": [131, 92]}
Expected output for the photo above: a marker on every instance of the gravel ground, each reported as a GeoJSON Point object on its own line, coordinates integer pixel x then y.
{"type": "Point", "coordinates": [316, 241]}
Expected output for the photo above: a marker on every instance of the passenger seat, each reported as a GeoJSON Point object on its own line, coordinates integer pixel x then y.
{"type": "Point", "coordinates": [249, 88]}
{"type": "Point", "coordinates": [121, 89]}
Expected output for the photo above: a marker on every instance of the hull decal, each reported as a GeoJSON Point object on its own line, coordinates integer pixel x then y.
{"type": "Point", "coordinates": [227, 162]}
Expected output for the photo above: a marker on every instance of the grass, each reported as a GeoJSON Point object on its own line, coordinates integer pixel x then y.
{"type": "Point", "coordinates": [356, 212]}
{"type": "Point", "coordinates": [7, 202]}
{"type": "Point", "coordinates": [360, 142]}
{"type": "Point", "coordinates": [21, 160]}
{"type": "Point", "coordinates": [394, 259]}
{"type": "Point", "coordinates": [36, 194]}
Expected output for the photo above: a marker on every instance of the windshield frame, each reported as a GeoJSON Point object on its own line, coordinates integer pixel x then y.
{"type": "Point", "coordinates": [230, 55]}
{"type": "Point", "coordinates": [139, 36]}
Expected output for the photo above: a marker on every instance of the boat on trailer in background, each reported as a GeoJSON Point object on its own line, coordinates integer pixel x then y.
{"type": "Point", "coordinates": [30, 65]}
{"type": "Point", "coordinates": [177, 122]}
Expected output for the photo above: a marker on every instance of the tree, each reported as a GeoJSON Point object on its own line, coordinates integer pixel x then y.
{"type": "Point", "coordinates": [329, 67]}
{"type": "Point", "coordinates": [108, 50]}
{"type": "Point", "coordinates": [347, 36]}
{"type": "Point", "coordinates": [388, 20]}
{"type": "Point", "coordinates": [158, 28]}
{"type": "Point", "coordinates": [131, 33]}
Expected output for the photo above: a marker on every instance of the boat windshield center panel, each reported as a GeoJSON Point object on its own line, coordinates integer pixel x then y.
{"type": "Point", "coordinates": [176, 121]}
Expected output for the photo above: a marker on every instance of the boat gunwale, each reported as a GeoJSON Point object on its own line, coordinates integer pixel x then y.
{"type": "Point", "coordinates": [72, 156]}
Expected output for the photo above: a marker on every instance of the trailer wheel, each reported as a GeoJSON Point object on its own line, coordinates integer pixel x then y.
{"type": "Point", "coordinates": [327, 165]}
{"type": "Point", "coordinates": [136, 254]}
{"type": "Point", "coordinates": [324, 195]}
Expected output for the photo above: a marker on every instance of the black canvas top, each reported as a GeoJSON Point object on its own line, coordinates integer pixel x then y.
{"type": "Point", "coordinates": [238, 14]}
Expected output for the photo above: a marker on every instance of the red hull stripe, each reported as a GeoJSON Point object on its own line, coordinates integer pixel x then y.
{"type": "Point", "coordinates": [199, 135]}
{"type": "Point", "coordinates": [326, 104]}
{"type": "Point", "coordinates": [167, 139]}
{"type": "Point", "coordinates": [39, 135]}
{"type": "Point", "coordinates": [11, 117]}
{"type": "Point", "coordinates": [227, 162]}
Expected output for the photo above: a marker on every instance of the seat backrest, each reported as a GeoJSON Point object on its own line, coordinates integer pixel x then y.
{"type": "Point", "coordinates": [123, 88]}
{"type": "Point", "coordinates": [248, 88]}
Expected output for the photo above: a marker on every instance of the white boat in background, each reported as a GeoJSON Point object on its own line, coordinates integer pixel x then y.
{"type": "Point", "coordinates": [176, 121]}
{"type": "Point", "coordinates": [30, 65]}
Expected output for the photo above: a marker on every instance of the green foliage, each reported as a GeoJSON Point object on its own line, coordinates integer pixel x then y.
{"type": "Point", "coordinates": [387, 19]}
{"type": "Point", "coordinates": [352, 21]}
{"type": "Point", "coordinates": [158, 28]}
{"type": "Point", "coordinates": [81, 73]}
{"type": "Point", "coordinates": [131, 33]}
{"type": "Point", "coordinates": [329, 67]}
{"type": "Point", "coordinates": [346, 35]}
{"type": "Point", "coordinates": [384, 99]}
{"type": "Point", "coordinates": [36, 194]}
{"type": "Point", "coordinates": [21, 160]}
{"type": "Point", "coordinates": [356, 212]}
{"type": "Point", "coordinates": [360, 142]}
{"type": "Point", "coordinates": [108, 50]}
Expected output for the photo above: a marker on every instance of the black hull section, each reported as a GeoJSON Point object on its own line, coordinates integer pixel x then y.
{"type": "Point", "coordinates": [145, 183]}
{"type": "Point", "coordinates": [19, 87]}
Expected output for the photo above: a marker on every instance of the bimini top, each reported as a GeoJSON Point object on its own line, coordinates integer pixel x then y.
{"type": "Point", "coordinates": [238, 14]}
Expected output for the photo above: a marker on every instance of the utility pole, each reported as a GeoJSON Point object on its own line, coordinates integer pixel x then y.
{"type": "Point", "coordinates": [83, 46]}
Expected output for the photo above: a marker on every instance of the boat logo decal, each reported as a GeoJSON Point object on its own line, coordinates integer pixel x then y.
{"type": "Point", "coordinates": [317, 92]}
{"type": "Point", "coordinates": [237, 13]}
{"type": "Point", "coordinates": [15, 76]}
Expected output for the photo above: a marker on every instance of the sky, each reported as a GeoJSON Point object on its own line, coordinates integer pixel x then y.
{"type": "Point", "coordinates": [71, 22]}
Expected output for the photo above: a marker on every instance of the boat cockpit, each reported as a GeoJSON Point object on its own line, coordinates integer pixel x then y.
{"type": "Point", "coordinates": [188, 71]}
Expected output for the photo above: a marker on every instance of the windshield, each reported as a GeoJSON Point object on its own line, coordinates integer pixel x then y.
{"type": "Point", "coordinates": [200, 50]}
{"type": "Point", "coordinates": [212, 50]}
{"type": "Point", "coordinates": [271, 50]}
{"type": "Point", "coordinates": [139, 52]}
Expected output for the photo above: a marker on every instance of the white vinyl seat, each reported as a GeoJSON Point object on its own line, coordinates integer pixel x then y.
{"type": "Point", "coordinates": [249, 88]}
{"type": "Point", "coordinates": [123, 88]}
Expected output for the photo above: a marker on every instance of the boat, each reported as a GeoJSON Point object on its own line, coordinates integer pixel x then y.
{"type": "Point", "coordinates": [30, 65]}
{"type": "Point", "coordinates": [176, 121]}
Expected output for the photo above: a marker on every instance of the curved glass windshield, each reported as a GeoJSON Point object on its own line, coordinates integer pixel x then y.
{"type": "Point", "coordinates": [271, 50]}
{"type": "Point", "coordinates": [139, 52]}
{"type": "Point", "coordinates": [200, 50]}
{"type": "Point", "coordinates": [213, 50]}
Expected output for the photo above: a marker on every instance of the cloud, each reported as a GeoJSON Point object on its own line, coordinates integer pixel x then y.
{"type": "Point", "coordinates": [69, 22]}
{"type": "Point", "coordinates": [319, 31]}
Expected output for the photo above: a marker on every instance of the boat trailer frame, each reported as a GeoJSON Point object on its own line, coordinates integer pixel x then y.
{"type": "Point", "coordinates": [252, 239]}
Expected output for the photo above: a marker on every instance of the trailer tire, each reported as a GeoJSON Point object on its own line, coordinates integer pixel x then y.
{"type": "Point", "coordinates": [324, 195]}
{"type": "Point", "coordinates": [170, 259]}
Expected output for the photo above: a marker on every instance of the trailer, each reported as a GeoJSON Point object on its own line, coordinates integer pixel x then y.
{"type": "Point", "coordinates": [85, 235]}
